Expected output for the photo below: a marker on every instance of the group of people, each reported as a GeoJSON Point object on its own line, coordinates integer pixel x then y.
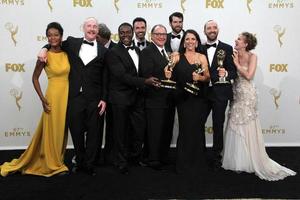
{"type": "Point", "coordinates": [92, 79]}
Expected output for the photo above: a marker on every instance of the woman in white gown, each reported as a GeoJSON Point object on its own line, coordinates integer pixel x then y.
{"type": "Point", "coordinates": [244, 148]}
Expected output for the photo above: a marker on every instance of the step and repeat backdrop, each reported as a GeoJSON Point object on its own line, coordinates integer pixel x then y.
{"type": "Point", "coordinates": [23, 24]}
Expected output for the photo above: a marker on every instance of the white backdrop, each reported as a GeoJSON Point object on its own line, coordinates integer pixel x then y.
{"type": "Point", "coordinates": [23, 24]}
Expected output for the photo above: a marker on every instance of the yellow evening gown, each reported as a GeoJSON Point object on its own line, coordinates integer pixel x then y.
{"type": "Point", "coordinates": [45, 154]}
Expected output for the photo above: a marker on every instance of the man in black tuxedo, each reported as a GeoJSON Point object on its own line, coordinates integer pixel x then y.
{"type": "Point", "coordinates": [174, 38]}
{"type": "Point", "coordinates": [104, 38]}
{"type": "Point", "coordinates": [139, 28]}
{"type": "Point", "coordinates": [159, 102]}
{"type": "Point", "coordinates": [127, 105]}
{"type": "Point", "coordinates": [104, 35]}
{"type": "Point", "coordinates": [218, 95]}
{"type": "Point", "coordinates": [87, 95]}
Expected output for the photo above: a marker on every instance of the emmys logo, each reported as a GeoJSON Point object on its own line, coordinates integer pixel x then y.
{"type": "Point", "coordinates": [276, 96]}
{"type": "Point", "coordinates": [116, 5]}
{"type": "Point", "coordinates": [12, 2]}
{"type": "Point", "coordinates": [82, 3]}
{"type": "Point", "coordinates": [279, 67]}
{"type": "Point", "coordinates": [248, 6]}
{"type": "Point", "coordinates": [50, 5]}
{"type": "Point", "coordinates": [281, 4]}
{"type": "Point", "coordinates": [13, 31]}
{"type": "Point", "coordinates": [41, 38]}
{"type": "Point", "coordinates": [274, 129]}
{"type": "Point", "coordinates": [214, 3]}
{"type": "Point", "coordinates": [182, 2]}
{"type": "Point", "coordinates": [149, 4]}
{"type": "Point", "coordinates": [14, 67]}
{"type": "Point", "coordinates": [17, 132]}
{"type": "Point", "coordinates": [18, 96]}
{"type": "Point", "coordinates": [209, 130]}
{"type": "Point", "coordinates": [280, 32]}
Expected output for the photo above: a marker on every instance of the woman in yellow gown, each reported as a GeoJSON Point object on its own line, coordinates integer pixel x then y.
{"type": "Point", "coordinates": [45, 154]}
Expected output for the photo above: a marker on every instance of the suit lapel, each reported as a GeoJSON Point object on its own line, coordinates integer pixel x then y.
{"type": "Point", "coordinates": [126, 57]}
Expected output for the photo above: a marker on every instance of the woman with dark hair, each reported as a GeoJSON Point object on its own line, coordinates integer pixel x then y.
{"type": "Point", "coordinates": [45, 154]}
{"type": "Point", "coordinates": [190, 73]}
{"type": "Point", "coordinates": [244, 148]}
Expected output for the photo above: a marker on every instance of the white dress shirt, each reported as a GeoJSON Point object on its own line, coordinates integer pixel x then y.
{"type": "Point", "coordinates": [175, 42]}
{"type": "Point", "coordinates": [88, 52]}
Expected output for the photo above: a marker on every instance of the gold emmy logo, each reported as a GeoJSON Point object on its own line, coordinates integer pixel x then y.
{"type": "Point", "coordinates": [13, 31]}
{"type": "Point", "coordinates": [50, 5]}
{"type": "Point", "coordinates": [280, 32]}
{"type": "Point", "coordinates": [248, 6]}
{"type": "Point", "coordinates": [214, 3]}
{"type": "Point", "coordinates": [82, 3]}
{"type": "Point", "coordinates": [18, 96]}
{"type": "Point", "coordinates": [274, 130]}
{"type": "Point", "coordinates": [17, 132]}
{"type": "Point", "coordinates": [116, 5]}
{"type": "Point", "coordinates": [182, 2]}
{"type": "Point", "coordinates": [276, 96]}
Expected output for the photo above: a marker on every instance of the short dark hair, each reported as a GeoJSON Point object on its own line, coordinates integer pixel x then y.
{"type": "Point", "coordinates": [182, 49]}
{"type": "Point", "coordinates": [104, 31]}
{"type": "Point", "coordinates": [56, 26]}
{"type": "Point", "coordinates": [125, 24]}
{"type": "Point", "coordinates": [250, 39]}
{"type": "Point", "coordinates": [139, 19]}
{"type": "Point", "coordinates": [175, 14]}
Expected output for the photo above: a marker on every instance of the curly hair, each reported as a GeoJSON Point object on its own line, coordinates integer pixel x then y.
{"type": "Point", "coordinates": [250, 39]}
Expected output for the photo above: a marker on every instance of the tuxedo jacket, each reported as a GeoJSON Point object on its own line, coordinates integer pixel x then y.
{"type": "Point", "coordinates": [152, 63]}
{"type": "Point", "coordinates": [92, 77]}
{"type": "Point", "coordinates": [112, 44]}
{"type": "Point", "coordinates": [168, 43]}
{"type": "Point", "coordinates": [123, 76]}
{"type": "Point", "coordinates": [222, 91]}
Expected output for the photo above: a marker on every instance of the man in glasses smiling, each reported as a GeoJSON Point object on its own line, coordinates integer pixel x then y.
{"type": "Point", "coordinates": [159, 103]}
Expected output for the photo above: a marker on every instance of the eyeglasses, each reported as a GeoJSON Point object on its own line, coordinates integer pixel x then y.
{"type": "Point", "coordinates": [160, 34]}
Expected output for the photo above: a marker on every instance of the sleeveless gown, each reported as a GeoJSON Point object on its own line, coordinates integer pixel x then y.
{"type": "Point", "coordinates": [45, 154]}
{"type": "Point", "coordinates": [244, 148]}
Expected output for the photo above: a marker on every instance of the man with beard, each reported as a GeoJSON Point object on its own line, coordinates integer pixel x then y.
{"type": "Point", "coordinates": [218, 95]}
{"type": "Point", "coordinates": [159, 102]}
{"type": "Point", "coordinates": [124, 98]}
{"type": "Point", "coordinates": [140, 27]}
{"type": "Point", "coordinates": [87, 94]}
{"type": "Point", "coordinates": [174, 38]}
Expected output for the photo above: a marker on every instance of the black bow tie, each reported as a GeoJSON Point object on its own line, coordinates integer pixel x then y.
{"type": "Point", "coordinates": [140, 44]}
{"type": "Point", "coordinates": [131, 47]}
{"type": "Point", "coordinates": [176, 36]}
{"type": "Point", "coordinates": [211, 45]}
{"type": "Point", "coordinates": [87, 42]}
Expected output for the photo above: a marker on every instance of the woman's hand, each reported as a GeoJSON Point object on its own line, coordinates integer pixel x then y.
{"type": "Point", "coordinates": [46, 105]}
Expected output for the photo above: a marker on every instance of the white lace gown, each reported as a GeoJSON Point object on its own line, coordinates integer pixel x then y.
{"type": "Point", "coordinates": [244, 148]}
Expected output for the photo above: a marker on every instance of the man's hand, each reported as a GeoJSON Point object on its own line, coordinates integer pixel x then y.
{"type": "Point", "coordinates": [222, 72]}
{"type": "Point", "coordinates": [42, 55]}
{"type": "Point", "coordinates": [102, 106]}
{"type": "Point", "coordinates": [152, 81]}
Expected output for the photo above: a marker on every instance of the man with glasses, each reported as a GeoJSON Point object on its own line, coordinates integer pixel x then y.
{"type": "Point", "coordinates": [159, 103]}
